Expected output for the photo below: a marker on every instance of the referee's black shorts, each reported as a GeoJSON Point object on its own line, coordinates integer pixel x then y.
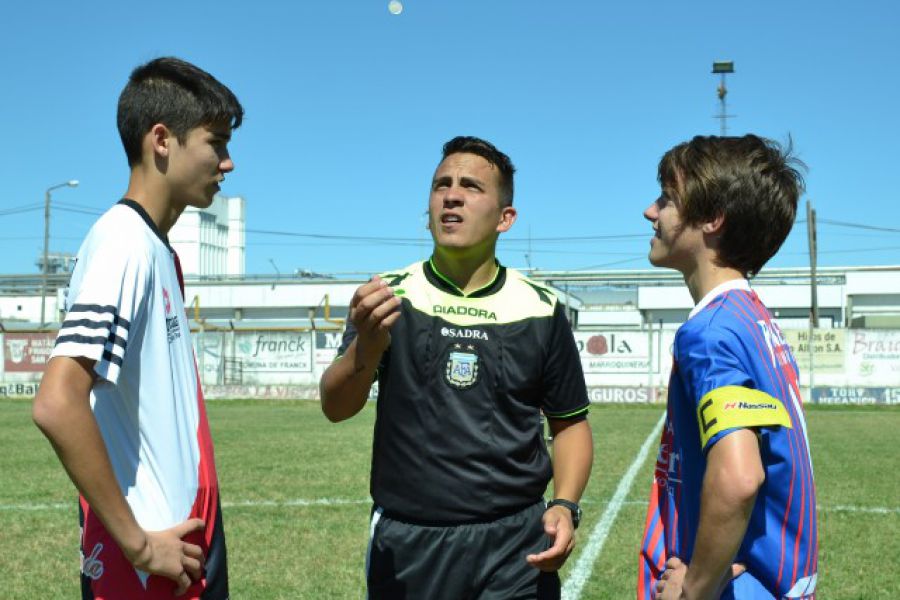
{"type": "Point", "coordinates": [483, 561]}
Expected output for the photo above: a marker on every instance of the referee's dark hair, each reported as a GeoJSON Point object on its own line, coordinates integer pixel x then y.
{"type": "Point", "coordinates": [751, 181]}
{"type": "Point", "coordinates": [465, 144]}
{"type": "Point", "coordinates": [177, 94]}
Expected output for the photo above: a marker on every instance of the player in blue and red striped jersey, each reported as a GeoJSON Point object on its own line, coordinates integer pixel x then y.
{"type": "Point", "coordinates": [733, 505]}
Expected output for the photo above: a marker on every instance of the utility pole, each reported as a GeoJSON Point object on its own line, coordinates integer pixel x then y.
{"type": "Point", "coordinates": [813, 300]}
{"type": "Point", "coordinates": [723, 67]}
{"type": "Point", "coordinates": [45, 267]}
{"type": "Point", "coordinates": [528, 253]}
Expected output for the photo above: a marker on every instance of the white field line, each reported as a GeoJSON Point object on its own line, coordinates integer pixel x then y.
{"type": "Point", "coordinates": [295, 502]}
{"type": "Point", "coordinates": [582, 570]}
{"type": "Point", "coordinates": [879, 510]}
{"type": "Point", "coordinates": [73, 505]}
{"type": "Point", "coordinates": [225, 504]}
{"type": "Point", "coordinates": [253, 503]}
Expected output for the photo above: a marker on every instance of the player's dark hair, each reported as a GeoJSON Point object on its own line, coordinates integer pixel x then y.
{"type": "Point", "coordinates": [177, 94]}
{"type": "Point", "coordinates": [753, 182]}
{"type": "Point", "coordinates": [486, 150]}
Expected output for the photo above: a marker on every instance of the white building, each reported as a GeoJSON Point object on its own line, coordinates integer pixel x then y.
{"type": "Point", "coordinates": [264, 336]}
{"type": "Point", "coordinates": [210, 242]}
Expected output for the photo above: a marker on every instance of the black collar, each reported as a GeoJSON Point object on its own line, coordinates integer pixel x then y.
{"type": "Point", "coordinates": [441, 282]}
{"type": "Point", "coordinates": [143, 213]}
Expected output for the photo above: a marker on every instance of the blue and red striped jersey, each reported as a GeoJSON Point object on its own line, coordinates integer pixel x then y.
{"type": "Point", "coordinates": [733, 369]}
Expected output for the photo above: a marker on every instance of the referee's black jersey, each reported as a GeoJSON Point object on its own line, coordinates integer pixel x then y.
{"type": "Point", "coordinates": [458, 434]}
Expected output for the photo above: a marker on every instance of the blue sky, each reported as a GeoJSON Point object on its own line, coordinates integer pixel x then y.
{"type": "Point", "coordinates": [347, 107]}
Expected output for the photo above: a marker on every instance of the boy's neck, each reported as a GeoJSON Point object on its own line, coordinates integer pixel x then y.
{"type": "Point", "coordinates": [468, 273]}
{"type": "Point", "coordinates": [155, 197]}
{"type": "Point", "coordinates": [706, 277]}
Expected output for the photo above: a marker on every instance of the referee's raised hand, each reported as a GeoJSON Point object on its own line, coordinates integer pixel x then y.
{"type": "Point", "coordinates": [345, 385]}
{"type": "Point", "coordinates": [373, 310]}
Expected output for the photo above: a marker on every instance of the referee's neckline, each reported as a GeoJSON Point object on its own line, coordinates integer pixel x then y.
{"type": "Point", "coordinates": [440, 281]}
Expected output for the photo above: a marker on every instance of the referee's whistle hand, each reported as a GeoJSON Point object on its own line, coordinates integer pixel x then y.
{"type": "Point", "coordinates": [561, 532]}
{"type": "Point", "coordinates": [374, 308]}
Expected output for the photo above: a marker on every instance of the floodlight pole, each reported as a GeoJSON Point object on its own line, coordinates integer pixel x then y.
{"type": "Point", "coordinates": [45, 267]}
{"type": "Point", "coordinates": [723, 67]}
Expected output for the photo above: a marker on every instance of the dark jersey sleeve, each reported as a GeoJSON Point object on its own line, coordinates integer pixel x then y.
{"type": "Point", "coordinates": [347, 339]}
{"type": "Point", "coordinates": [564, 390]}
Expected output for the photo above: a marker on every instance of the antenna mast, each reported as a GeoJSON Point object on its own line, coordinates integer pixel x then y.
{"type": "Point", "coordinates": [723, 67]}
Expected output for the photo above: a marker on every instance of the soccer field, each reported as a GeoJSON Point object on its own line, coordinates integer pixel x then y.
{"type": "Point", "coordinates": [296, 507]}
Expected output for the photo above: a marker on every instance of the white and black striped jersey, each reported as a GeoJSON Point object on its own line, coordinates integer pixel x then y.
{"type": "Point", "coordinates": [458, 432]}
{"type": "Point", "coordinates": [125, 310]}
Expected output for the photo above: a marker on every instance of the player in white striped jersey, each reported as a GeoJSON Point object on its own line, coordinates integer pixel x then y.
{"type": "Point", "coordinates": [121, 401]}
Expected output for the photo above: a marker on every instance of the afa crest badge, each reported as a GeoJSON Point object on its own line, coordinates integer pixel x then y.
{"type": "Point", "coordinates": [462, 367]}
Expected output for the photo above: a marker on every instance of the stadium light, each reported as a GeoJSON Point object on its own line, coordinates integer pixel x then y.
{"type": "Point", "coordinates": [45, 267]}
{"type": "Point", "coordinates": [723, 66]}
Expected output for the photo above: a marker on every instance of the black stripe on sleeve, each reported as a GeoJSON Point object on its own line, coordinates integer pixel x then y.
{"type": "Point", "coordinates": [91, 324]}
{"type": "Point", "coordinates": [112, 358]}
{"type": "Point", "coordinates": [100, 309]}
{"type": "Point", "coordinates": [91, 340]}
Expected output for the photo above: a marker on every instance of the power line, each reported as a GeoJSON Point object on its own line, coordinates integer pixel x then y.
{"type": "Point", "coordinates": [859, 226]}
{"type": "Point", "coordinates": [582, 253]}
{"type": "Point", "coordinates": [858, 250]}
{"type": "Point", "coordinates": [428, 244]}
{"type": "Point", "coordinates": [81, 211]}
{"type": "Point", "coordinates": [36, 237]}
{"type": "Point", "coordinates": [21, 209]}
{"type": "Point", "coordinates": [326, 236]}
{"type": "Point", "coordinates": [846, 234]}
{"type": "Point", "coordinates": [75, 206]}
{"type": "Point", "coordinates": [845, 251]}
{"type": "Point", "coordinates": [585, 238]}
{"type": "Point", "coordinates": [66, 206]}
{"type": "Point", "coordinates": [613, 263]}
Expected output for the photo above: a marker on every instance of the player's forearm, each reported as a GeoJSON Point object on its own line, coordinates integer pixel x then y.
{"type": "Point", "coordinates": [733, 476]}
{"type": "Point", "coordinates": [63, 414]}
{"type": "Point", "coordinates": [573, 456]}
{"type": "Point", "coordinates": [345, 385]}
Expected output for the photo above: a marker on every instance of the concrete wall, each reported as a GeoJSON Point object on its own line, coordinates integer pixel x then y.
{"type": "Point", "coordinates": [619, 365]}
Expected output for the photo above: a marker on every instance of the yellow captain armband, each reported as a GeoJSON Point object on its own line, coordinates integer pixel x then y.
{"type": "Point", "coordinates": [734, 406]}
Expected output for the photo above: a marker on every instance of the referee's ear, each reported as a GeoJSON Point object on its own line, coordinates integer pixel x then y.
{"type": "Point", "coordinates": [508, 216]}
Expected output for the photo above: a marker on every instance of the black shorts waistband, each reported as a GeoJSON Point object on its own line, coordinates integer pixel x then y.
{"type": "Point", "coordinates": [419, 521]}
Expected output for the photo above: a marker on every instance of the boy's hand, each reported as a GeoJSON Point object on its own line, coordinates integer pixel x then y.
{"type": "Point", "coordinates": [165, 553]}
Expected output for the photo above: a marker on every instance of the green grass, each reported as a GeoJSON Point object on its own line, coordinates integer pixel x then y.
{"type": "Point", "coordinates": [272, 453]}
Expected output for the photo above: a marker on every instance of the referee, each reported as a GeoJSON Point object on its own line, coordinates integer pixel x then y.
{"type": "Point", "coordinates": [467, 354]}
